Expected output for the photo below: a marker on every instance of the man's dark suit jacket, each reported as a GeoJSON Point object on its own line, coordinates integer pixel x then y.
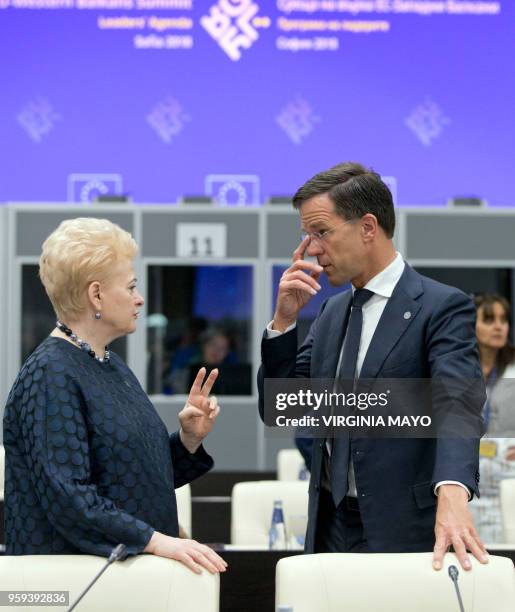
{"type": "Point", "coordinates": [395, 477]}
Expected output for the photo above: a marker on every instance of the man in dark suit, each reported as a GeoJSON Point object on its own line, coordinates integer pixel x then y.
{"type": "Point", "coordinates": [376, 495]}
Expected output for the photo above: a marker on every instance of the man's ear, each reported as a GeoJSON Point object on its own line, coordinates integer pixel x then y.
{"type": "Point", "coordinates": [94, 295]}
{"type": "Point", "coordinates": [369, 227]}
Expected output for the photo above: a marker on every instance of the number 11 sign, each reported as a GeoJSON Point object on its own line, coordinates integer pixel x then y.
{"type": "Point", "coordinates": [201, 240]}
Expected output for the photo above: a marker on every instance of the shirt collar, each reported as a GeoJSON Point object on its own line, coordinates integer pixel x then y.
{"type": "Point", "coordinates": [384, 283]}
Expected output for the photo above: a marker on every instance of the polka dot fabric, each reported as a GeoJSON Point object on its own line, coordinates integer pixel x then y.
{"type": "Point", "coordinates": [89, 462]}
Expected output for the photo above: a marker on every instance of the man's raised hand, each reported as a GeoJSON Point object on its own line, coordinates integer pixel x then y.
{"type": "Point", "coordinates": [299, 283]}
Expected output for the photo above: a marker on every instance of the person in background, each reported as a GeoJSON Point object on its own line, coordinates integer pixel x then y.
{"type": "Point", "coordinates": [216, 346]}
{"type": "Point", "coordinates": [497, 358]}
{"type": "Point", "coordinates": [497, 450]}
{"type": "Point", "coordinates": [89, 462]}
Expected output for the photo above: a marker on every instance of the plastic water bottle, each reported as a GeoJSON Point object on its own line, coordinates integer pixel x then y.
{"type": "Point", "coordinates": [277, 534]}
{"type": "Point", "coordinates": [303, 472]}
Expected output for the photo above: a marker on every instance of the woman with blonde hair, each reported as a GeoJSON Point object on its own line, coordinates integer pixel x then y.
{"type": "Point", "coordinates": [89, 463]}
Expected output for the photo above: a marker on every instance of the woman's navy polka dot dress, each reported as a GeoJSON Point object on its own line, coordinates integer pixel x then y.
{"type": "Point", "coordinates": [89, 462]}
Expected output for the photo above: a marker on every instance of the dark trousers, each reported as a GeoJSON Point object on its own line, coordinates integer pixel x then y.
{"type": "Point", "coordinates": [339, 529]}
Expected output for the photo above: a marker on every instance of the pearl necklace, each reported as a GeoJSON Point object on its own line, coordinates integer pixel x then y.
{"type": "Point", "coordinates": [82, 344]}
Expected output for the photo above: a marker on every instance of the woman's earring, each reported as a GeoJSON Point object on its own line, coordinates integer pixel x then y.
{"type": "Point", "coordinates": [98, 316]}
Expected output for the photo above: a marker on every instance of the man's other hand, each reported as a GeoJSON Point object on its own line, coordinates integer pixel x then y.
{"type": "Point", "coordinates": [454, 526]}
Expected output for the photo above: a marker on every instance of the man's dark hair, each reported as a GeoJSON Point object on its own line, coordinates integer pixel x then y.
{"type": "Point", "coordinates": [355, 191]}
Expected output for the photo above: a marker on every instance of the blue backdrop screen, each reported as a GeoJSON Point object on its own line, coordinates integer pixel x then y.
{"type": "Point", "coordinates": [244, 99]}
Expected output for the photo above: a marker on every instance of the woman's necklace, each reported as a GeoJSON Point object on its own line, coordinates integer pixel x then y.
{"type": "Point", "coordinates": [82, 344]}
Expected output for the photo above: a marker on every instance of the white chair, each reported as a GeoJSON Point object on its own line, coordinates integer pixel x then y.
{"type": "Point", "coordinates": [252, 506]}
{"type": "Point", "coordinates": [391, 583]}
{"type": "Point", "coordinates": [183, 496]}
{"type": "Point", "coordinates": [2, 471]}
{"type": "Point", "coordinates": [507, 487]}
{"type": "Point", "coordinates": [289, 464]}
{"type": "Point", "coordinates": [140, 583]}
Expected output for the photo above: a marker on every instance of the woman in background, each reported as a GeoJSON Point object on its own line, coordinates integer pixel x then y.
{"type": "Point", "coordinates": [497, 450]}
{"type": "Point", "coordinates": [89, 462]}
{"type": "Point", "coordinates": [497, 358]}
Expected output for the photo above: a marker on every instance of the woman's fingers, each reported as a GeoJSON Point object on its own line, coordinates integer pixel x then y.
{"type": "Point", "coordinates": [210, 381]}
{"type": "Point", "coordinates": [196, 556]}
{"type": "Point", "coordinates": [213, 407]}
{"type": "Point", "coordinates": [204, 407]}
{"type": "Point", "coordinates": [202, 560]}
{"type": "Point", "coordinates": [188, 561]}
{"type": "Point", "coordinates": [189, 552]}
{"type": "Point", "coordinates": [196, 387]}
{"type": "Point", "coordinates": [213, 557]}
{"type": "Point", "coordinates": [190, 411]}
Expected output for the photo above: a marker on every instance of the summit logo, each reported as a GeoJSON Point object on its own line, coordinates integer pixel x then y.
{"type": "Point", "coordinates": [234, 24]}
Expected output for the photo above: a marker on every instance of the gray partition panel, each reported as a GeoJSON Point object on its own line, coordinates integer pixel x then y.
{"type": "Point", "coordinates": [33, 227]}
{"type": "Point", "coordinates": [283, 234]}
{"type": "Point", "coordinates": [232, 442]}
{"type": "Point", "coordinates": [442, 238]}
{"type": "Point", "coordinates": [159, 232]}
{"type": "Point", "coordinates": [460, 237]}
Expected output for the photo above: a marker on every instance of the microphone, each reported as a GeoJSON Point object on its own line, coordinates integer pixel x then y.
{"type": "Point", "coordinates": [453, 573]}
{"type": "Point", "coordinates": [116, 555]}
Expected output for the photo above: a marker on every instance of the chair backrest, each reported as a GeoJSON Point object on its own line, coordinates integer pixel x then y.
{"type": "Point", "coordinates": [140, 583]}
{"type": "Point", "coordinates": [2, 471]}
{"type": "Point", "coordinates": [252, 505]}
{"type": "Point", "coordinates": [508, 509]}
{"type": "Point", "coordinates": [289, 464]}
{"type": "Point", "coordinates": [183, 496]}
{"type": "Point", "coordinates": [400, 582]}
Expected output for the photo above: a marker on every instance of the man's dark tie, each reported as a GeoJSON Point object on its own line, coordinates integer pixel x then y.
{"type": "Point", "coordinates": [347, 372]}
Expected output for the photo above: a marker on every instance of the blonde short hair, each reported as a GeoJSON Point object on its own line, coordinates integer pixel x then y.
{"type": "Point", "coordinates": [77, 253]}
